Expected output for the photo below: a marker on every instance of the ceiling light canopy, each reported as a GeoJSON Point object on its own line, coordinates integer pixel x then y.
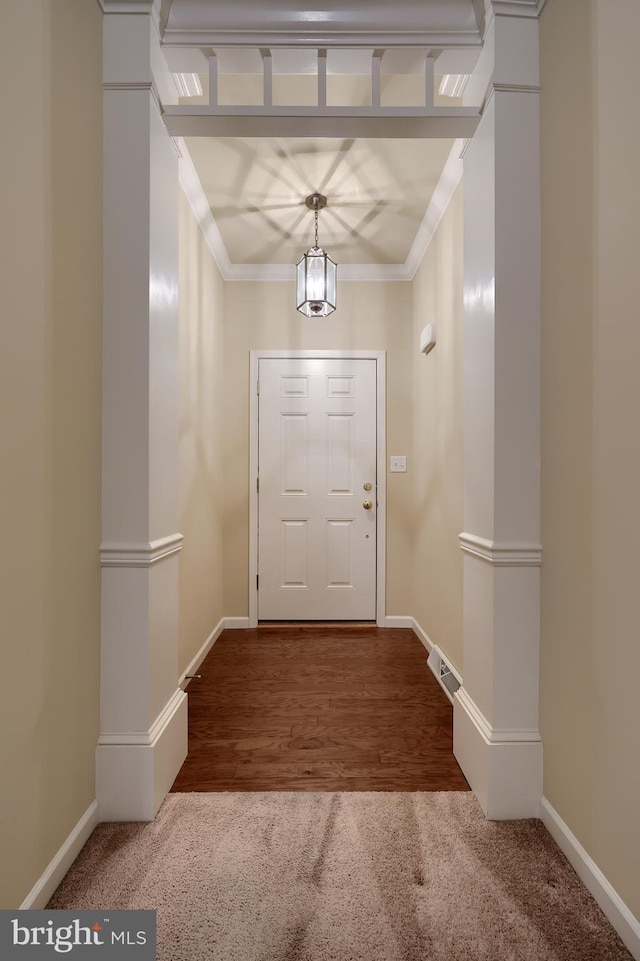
{"type": "Point", "coordinates": [316, 273]}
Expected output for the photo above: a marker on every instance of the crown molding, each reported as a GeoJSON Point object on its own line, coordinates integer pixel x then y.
{"type": "Point", "coordinates": [486, 10]}
{"type": "Point", "coordinates": [127, 6]}
{"type": "Point", "coordinates": [193, 191]}
{"type": "Point", "coordinates": [516, 8]}
{"type": "Point", "coordinates": [440, 199]}
{"type": "Point", "coordinates": [350, 273]}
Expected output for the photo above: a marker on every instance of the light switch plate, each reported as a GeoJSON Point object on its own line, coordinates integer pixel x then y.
{"type": "Point", "coordinates": [398, 464]}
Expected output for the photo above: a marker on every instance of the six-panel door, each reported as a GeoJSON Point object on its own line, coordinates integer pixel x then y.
{"type": "Point", "coordinates": [316, 510]}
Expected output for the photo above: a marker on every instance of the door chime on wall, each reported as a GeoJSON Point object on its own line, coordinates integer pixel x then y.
{"type": "Point", "coordinates": [316, 273]}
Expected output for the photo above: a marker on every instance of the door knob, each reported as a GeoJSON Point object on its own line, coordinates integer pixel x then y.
{"type": "Point", "coordinates": [367, 505]}
{"type": "Point", "coordinates": [367, 486]}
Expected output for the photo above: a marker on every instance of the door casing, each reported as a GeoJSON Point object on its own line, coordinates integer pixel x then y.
{"type": "Point", "coordinates": [380, 357]}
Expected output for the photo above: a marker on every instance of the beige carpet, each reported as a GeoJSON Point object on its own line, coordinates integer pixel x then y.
{"type": "Point", "coordinates": [340, 877]}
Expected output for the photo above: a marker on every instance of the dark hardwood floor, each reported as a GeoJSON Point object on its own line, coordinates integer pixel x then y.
{"type": "Point", "coordinates": [301, 707]}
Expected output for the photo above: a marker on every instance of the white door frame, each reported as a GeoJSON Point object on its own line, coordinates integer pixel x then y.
{"type": "Point", "coordinates": [381, 457]}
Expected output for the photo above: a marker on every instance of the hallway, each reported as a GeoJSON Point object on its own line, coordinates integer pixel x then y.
{"type": "Point", "coordinates": [304, 707]}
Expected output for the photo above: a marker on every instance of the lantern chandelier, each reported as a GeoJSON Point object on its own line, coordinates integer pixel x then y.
{"type": "Point", "coordinates": [316, 273]}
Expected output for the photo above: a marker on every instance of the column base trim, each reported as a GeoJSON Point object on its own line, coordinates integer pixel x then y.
{"type": "Point", "coordinates": [135, 770]}
{"type": "Point", "coordinates": [503, 768]}
{"type": "Point", "coordinates": [625, 923]}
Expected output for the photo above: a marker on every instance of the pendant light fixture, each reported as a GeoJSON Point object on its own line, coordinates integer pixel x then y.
{"type": "Point", "coordinates": [316, 273]}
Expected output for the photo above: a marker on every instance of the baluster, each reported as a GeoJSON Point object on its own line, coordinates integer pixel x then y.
{"type": "Point", "coordinates": [429, 93]}
{"type": "Point", "coordinates": [322, 78]}
{"type": "Point", "coordinates": [376, 62]}
{"type": "Point", "coordinates": [213, 79]}
{"type": "Point", "coordinates": [267, 77]}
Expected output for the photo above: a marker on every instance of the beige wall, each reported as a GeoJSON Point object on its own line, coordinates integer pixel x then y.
{"type": "Point", "coordinates": [590, 656]}
{"type": "Point", "coordinates": [262, 315]}
{"type": "Point", "coordinates": [437, 470]}
{"type": "Point", "coordinates": [50, 382]}
{"type": "Point", "coordinates": [201, 477]}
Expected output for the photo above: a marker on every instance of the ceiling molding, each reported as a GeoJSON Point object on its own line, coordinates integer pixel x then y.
{"type": "Point", "coordinates": [440, 199]}
{"type": "Point", "coordinates": [486, 10]}
{"type": "Point", "coordinates": [190, 183]}
{"type": "Point", "coordinates": [350, 273]}
{"type": "Point", "coordinates": [479, 8]}
{"type": "Point", "coordinates": [193, 191]}
{"type": "Point", "coordinates": [127, 6]}
{"type": "Point", "coordinates": [517, 8]}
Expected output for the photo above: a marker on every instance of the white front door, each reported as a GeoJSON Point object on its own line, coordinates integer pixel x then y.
{"type": "Point", "coordinates": [317, 489]}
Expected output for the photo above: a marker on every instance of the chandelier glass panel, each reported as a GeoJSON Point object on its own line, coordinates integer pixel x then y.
{"type": "Point", "coordinates": [316, 273]}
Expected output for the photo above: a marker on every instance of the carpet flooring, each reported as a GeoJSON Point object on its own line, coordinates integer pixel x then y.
{"type": "Point", "coordinates": [342, 877]}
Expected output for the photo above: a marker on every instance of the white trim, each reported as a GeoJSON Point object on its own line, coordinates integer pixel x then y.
{"type": "Point", "coordinates": [501, 553]}
{"type": "Point", "coordinates": [135, 770]}
{"type": "Point", "coordinates": [398, 621]}
{"type": "Point", "coordinates": [199, 37]}
{"type": "Point", "coordinates": [40, 894]}
{"type": "Point", "coordinates": [625, 923]}
{"type": "Point", "coordinates": [440, 199]}
{"type": "Point", "coordinates": [236, 623]}
{"type": "Point", "coordinates": [131, 85]}
{"type": "Point", "coordinates": [380, 357]}
{"type": "Point", "coordinates": [493, 735]}
{"type": "Point", "coordinates": [195, 663]}
{"type": "Point", "coordinates": [514, 88]}
{"type": "Point", "coordinates": [422, 636]}
{"type": "Point", "coordinates": [408, 123]}
{"type": "Point", "coordinates": [503, 768]}
{"type": "Point", "coordinates": [267, 273]}
{"type": "Point", "coordinates": [140, 554]}
{"type": "Point", "coordinates": [516, 8]}
{"type": "Point", "coordinates": [194, 192]}
{"type": "Point", "coordinates": [348, 273]}
{"type": "Point", "coordinates": [145, 738]}
{"type": "Point", "coordinates": [127, 6]}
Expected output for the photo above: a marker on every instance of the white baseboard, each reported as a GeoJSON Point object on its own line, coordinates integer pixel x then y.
{"type": "Point", "coordinates": [503, 768]}
{"type": "Point", "coordinates": [398, 621]}
{"type": "Point", "coordinates": [621, 918]}
{"type": "Point", "coordinates": [236, 623]}
{"type": "Point", "coordinates": [135, 770]}
{"type": "Point", "coordinates": [422, 635]}
{"type": "Point", "coordinates": [40, 894]}
{"type": "Point", "coordinates": [202, 653]}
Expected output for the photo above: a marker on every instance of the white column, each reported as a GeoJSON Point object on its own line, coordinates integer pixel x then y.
{"type": "Point", "coordinates": [143, 739]}
{"type": "Point", "coordinates": [496, 738]}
